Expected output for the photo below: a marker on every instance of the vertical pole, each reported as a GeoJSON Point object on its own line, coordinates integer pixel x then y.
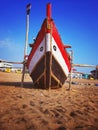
{"type": "Point", "coordinates": [96, 72]}
{"type": "Point", "coordinates": [23, 73]}
{"type": "Point", "coordinates": [48, 11]}
{"type": "Point", "coordinates": [26, 42]}
{"type": "Point", "coordinates": [70, 80]}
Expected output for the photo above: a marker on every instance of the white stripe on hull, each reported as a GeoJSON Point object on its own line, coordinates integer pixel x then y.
{"type": "Point", "coordinates": [48, 42]}
{"type": "Point", "coordinates": [37, 55]}
{"type": "Point", "coordinates": [56, 53]}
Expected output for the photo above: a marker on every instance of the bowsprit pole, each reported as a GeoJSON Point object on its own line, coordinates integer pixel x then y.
{"type": "Point", "coordinates": [26, 41]}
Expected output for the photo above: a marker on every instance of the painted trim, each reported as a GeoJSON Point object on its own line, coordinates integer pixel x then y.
{"type": "Point", "coordinates": [37, 56]}
{"type": "Point", "coordinates": [56, 53]}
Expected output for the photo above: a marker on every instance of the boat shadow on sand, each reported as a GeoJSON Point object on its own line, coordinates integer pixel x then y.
{"type": "Point", "coordinates": [18, 84]}
{"type": "Point", "coordinates": [27, 85]}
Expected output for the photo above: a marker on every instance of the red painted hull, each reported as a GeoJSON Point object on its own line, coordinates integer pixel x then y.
{"type": "Point", "coordinates": [48, 61]}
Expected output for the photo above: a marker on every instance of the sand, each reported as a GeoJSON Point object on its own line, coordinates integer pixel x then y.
{"type": "Point", "coordinates": [27, 108]}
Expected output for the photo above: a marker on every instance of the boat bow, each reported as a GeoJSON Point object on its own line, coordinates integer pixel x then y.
{"type": "Point", "coordinates": [48, 61]}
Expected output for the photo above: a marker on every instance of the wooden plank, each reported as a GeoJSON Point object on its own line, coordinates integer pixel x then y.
{"type": "Point", "coordinates": [84, 65]}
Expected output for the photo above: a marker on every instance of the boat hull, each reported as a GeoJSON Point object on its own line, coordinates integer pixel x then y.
{"type": "Point", "coordinates": [48, 62]}
{"type": "Point", "coordinates": [48, 73]}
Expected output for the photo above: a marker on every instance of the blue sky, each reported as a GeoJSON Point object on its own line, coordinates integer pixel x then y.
{"type": "Point", "coordinates": [76, 21]}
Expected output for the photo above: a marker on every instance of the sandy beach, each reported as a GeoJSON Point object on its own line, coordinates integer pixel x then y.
{"type": "Point", "coordinates": [28, 108]}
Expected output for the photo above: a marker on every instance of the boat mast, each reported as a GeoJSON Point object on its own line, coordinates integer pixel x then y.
{"type": "Point", "coordinates": [26, 41]}
{"type": "Point", "coordinates": [27, 30]}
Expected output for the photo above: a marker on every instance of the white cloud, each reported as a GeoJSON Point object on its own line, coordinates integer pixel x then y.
{"type": "Point", "coordinates": [11, 50]}
{"type": "Point", "coordinates": [6, 43]}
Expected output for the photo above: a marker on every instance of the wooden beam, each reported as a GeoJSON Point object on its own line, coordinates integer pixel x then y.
{"type": "Point", "coordinates": [13, 62]}
{"type": "Point", "coordinates": [84, 65]}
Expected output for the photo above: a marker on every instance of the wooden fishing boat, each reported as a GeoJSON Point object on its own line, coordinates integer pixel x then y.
{"type": "Point", "coordinates": [48, 62]}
